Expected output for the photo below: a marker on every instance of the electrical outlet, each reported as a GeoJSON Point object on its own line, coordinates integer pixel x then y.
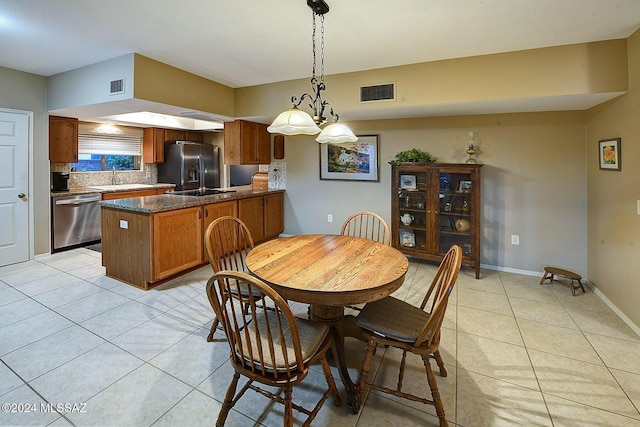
{"type": "Point", "coordinates": [329, 218]}
{"type": "Point", "coordinates": [638, 207]}
{"type": "Point", "coordinates": [515, 239]}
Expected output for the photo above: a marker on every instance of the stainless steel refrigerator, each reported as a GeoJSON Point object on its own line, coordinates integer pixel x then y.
{"type": "Point", "coordinates": [190, 165]}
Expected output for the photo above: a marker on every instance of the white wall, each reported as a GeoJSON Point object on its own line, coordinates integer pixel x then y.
{"type": "Point", "coordinates": [90, 84]}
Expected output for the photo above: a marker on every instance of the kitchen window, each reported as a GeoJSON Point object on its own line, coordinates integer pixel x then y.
{"type": "Point", "coordinates": [102, 152]}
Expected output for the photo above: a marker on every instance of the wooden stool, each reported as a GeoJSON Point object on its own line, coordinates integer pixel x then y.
{"type": "Point", "coordinates": [549, 272]}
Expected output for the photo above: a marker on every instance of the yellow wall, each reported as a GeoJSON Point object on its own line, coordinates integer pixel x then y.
{"type": "Point", "coordinates": [613, 223]}
{"type": "Point", "coordinates": [162, 83]}
{"type": "Point", "coordinates": [587, 68]}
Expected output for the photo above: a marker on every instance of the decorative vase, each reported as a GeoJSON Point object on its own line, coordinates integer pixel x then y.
{"type": "Point", "coordinates": [471, 150]}
{"type": "Point", "coordinates": [462, 224]}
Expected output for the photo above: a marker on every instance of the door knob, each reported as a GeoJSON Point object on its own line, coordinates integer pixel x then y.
{"type": "Point", "coordinates": [22, 195]}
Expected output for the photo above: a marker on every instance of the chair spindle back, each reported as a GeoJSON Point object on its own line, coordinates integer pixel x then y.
{"type": "Point", "coordinates": [368, 225]}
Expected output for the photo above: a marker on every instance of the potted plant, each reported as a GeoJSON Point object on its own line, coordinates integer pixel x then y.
{"type": "Point", "coordinates": [414, 155]}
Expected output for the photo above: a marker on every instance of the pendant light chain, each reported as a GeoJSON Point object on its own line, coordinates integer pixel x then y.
{"type": "Point", "coordinates": [313, 43]}
{"type": "Point", "coordinates": [297, 122]}
{"type": "Point", "coordinates": [321, 48]}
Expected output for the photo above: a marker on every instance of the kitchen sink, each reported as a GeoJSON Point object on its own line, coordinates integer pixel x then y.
{"type": "Point", "coordinates": [121, 187]}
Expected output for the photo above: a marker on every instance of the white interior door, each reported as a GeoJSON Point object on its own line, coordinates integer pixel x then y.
{"type": "Point", "coordinates": [14, 187]}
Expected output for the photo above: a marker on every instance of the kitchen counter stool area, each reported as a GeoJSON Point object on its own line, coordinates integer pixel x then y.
{"type": "Point", "coordinates": [69, 334]}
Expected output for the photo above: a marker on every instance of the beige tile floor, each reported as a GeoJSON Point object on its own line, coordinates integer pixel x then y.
{"type": "Point", "coordinates": [517, 354]}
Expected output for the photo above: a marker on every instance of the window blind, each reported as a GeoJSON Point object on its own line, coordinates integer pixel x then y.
{"type": "Point", "coordinates": [109, 144]}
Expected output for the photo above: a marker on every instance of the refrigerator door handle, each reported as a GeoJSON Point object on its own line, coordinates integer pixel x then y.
{"type": "Point", "coordinates": [201, 167]}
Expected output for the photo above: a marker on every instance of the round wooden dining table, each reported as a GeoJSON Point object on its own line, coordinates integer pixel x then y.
{"type": "Point", "coordinates": [330, 272]}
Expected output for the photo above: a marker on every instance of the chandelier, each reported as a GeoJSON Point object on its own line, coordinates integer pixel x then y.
{"type": "Point", "coordinates": [297, 122]}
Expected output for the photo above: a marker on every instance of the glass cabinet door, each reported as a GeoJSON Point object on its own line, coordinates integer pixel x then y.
{"type": "Point", "coordinates": [412, 204]}
{"type": "Point", "coordinates": [455, 213]}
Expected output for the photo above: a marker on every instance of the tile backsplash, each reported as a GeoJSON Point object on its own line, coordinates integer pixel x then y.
{"type": "Point", "coordinates": [148, 175]}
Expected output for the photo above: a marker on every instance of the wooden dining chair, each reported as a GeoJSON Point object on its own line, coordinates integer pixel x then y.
{"type": "Point", "coordinates": [368, 225]}
{"type": "Point", "coordinates": [228, 241]}
{"type": "Point", "coordinates": [395, 323]}
{"type": "Point", "coordinates": [270, 347]}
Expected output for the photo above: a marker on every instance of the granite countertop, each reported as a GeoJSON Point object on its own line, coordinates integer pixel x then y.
{"type": "Point", "coordinates": [164, 202]}
{"type": "Point", "coordinates": [110, 189]}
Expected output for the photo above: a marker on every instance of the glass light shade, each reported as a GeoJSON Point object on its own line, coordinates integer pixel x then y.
{"type": "Point", "coordinates": [294, 122]}
{"type": "Point", "coordinates": [336, 133]}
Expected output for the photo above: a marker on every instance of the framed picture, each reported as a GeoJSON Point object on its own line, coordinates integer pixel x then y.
{"type": "Point", "coordinates": [609, 150]}
{"type": "Point", "coordinates": [464, 186]}
{"type": "Point", "coordinates": [350, 161]}
{"type": "Point", "coordinates": [408, 182]}
{"type": "Point", "coordinates": [407, 238]}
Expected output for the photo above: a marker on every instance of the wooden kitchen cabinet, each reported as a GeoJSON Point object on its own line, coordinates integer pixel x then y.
{"type": "Point", "coordinates": [141, 249]}
{"type": "Point", "coordinates": [135, 193]}
{"type": "Point", "coordinates": [251, 212]}
{"type": "Point", "coordinates": [153, 145]}
{"type": "Point", "coordinates": [175, 135]}
{"type": "Point", "coordinates": [246, 143]}
{"type": "Point", "coordinates": [194, 136]}
{"type": "Point", "coordinates": [154, 138]}
{"type": "Point", "coordinates": [263, 215]}
{"type": "Point", "coordinates": [273, 215]}
{"type": "Point", "coordinates": [214, 211]}
{"type": "Point", "coordinates": [63, 139]}
{"type": "Point", "coordinates": [177, 241]}
{"type": "Point", "coordinates": [434, 206]}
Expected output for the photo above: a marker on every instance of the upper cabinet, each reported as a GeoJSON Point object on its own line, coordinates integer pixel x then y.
{"type": "Point", "coordinates": [153, 145]}
{"type": "Point", "coordinates": [193, 136]}
{"type": "Point", "coordinates": [154, 139]}
{"type": "Point", "coordinates": [63, 139]}
{"type": "Point", "coordinates": [246, 143]}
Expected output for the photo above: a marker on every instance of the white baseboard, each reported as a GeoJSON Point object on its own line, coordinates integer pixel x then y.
{"type": "Point", "coordinates": [616, 310]}
{"type": "Point", "coordinates": [511, 270]}
{"type": "Point", "coordinates": [597, 291]}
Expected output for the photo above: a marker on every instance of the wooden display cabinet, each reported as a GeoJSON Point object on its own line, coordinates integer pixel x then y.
{"type": "Point", "coordinates": [434, 206]}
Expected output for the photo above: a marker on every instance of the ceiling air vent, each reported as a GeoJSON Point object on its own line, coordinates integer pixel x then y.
{"type": "Point", "coordinates": [382, 92]}
{"type": "Point", "coordinates": [116, 87]}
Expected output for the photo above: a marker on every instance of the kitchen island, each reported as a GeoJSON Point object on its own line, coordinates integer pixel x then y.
{"type": "Point", "coordinates": [147, 240]}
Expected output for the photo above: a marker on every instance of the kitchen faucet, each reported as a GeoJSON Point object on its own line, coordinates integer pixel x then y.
{"type": "Point", "coordinates": [113, 176]}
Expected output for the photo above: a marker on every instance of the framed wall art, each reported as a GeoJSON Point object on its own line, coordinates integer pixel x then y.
{"type": "Point", "coordinates": [610, 154]}
{"type": "Point", "coordinates": [408, 182]}
{"type": "Point", "coordinates": [464, 187]}
{"type": "Point", "coordinates": [350, 161]}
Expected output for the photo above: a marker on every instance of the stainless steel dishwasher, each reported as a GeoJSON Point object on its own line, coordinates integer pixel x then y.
{"type": "Point", "coordinates": [75, 220]}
